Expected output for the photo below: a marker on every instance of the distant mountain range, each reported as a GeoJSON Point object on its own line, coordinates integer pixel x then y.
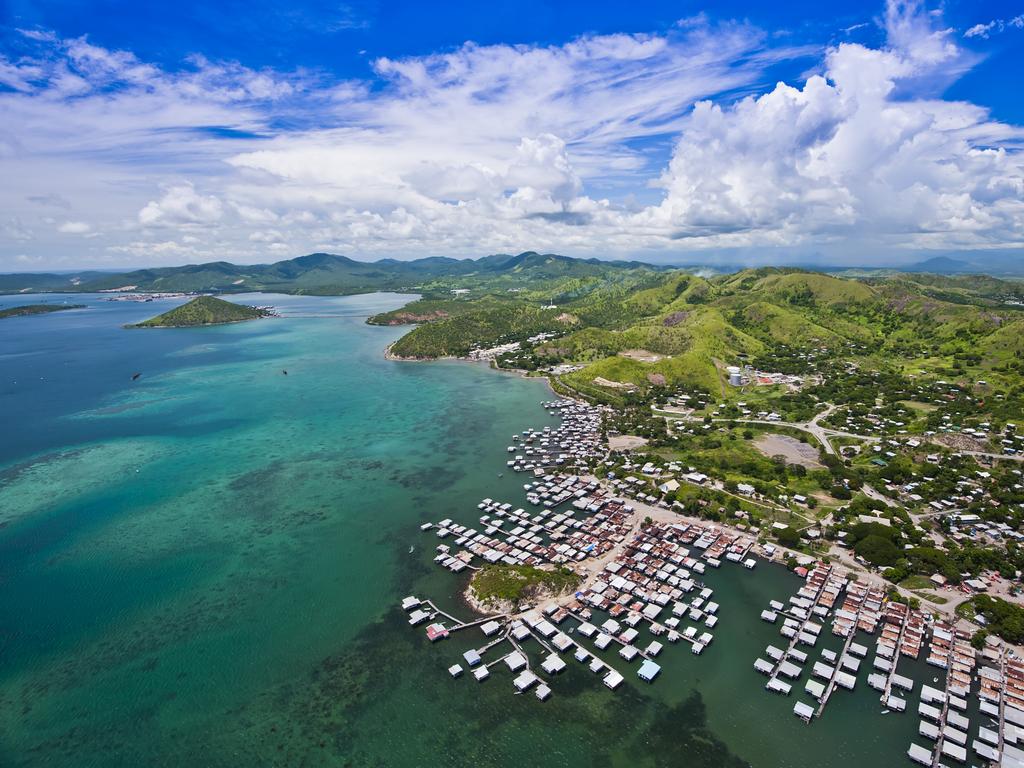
{"type": "Point", "coordinates": [1010, 264]}
{"type": "Point", "coordinates": [330, 274]}
{"type": "Point", "coordinates": [322, 274]}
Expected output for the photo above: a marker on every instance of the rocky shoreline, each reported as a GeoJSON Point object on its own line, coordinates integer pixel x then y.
{"type": "Point", "coordinates": [536, 596]}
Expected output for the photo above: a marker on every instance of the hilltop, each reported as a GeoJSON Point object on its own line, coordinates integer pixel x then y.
{"type": "Point", "coordinates": [203, 310]}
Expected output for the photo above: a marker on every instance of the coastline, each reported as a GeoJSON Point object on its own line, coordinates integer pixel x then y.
{"type": "Point", "coordinates": [134, 326]}
{"type": "Point", "coordinates": [833, 557]}
{"type": "Point", "coordinates": [390, 355]}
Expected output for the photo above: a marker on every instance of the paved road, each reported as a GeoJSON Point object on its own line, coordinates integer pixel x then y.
{"type": "Point", "coordinates": [824, 434]}
{"type": "Point", "coordinates": [812, 427]}
{"type": "Point", "coordinates": [871, 493]}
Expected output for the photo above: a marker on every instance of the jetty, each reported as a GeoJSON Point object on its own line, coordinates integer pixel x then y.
{"type": "Point", "coordinates": [900, 636]}
{"type": "Point", "coordinates": [942, 711]}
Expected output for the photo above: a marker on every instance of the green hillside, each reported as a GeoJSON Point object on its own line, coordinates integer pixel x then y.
{"type": "Point", "coordinates": [328, 274]}
{"type": "Point", "coordinates": [203, 310]}
{"type": "Point", "coordinates": [636, 334]}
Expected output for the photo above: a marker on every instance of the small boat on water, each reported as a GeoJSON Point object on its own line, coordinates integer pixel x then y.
{"type": "Point", "coordinates": [411, 549]}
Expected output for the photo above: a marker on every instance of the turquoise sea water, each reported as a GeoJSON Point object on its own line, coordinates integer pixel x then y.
{"type": "Point", "coordinates": [202, 567]}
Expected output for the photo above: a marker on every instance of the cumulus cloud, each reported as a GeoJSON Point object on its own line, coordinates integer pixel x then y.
{"type": "Point", "coordinates": [181, 205]}
{"type": "Point", "coordinates": [841, 158]}
{"type": "Point", "coordinates": [509, 147]}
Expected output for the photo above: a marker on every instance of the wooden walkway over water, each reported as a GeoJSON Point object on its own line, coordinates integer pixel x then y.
{"type": "Point", "coordinates": [838, 668]}
{"type": "Point", "coordinates": [887, 690]}
{"type": "Point", "coordinates": [944, 712]}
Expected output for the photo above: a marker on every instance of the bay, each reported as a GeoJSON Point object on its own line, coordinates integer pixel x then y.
{"type": "Point", "coordinates": [202, 566]}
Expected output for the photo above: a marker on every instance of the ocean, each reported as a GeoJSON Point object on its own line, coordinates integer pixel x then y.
{"type": "Point", "coordinates": [203, 566]}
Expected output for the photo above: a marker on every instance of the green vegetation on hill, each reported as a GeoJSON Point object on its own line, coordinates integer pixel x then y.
{"type": "Point", "coordinates": [203, 310]}
{"type": "Point", "coordinates": [326, 274]}
{"type": "Point", "coordinates": [513, 583]}
{"type": "Point", "coordinates": [36, 309]}
{"type": "Point", "coordinates": [893, 330]}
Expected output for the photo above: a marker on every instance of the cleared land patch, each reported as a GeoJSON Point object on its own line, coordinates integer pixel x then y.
{"type": "Point", "coordinates": [626, 442]}
{"type": "Point", "coordinates": [642, 355]}
{"type": "Point", "coordinates": [795, 452]}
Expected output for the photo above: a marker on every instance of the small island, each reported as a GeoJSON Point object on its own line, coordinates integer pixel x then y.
{"type": "Point", "coordinates": [204, 310]}
{"type": "Point", "coordinates": [37, 309]}
{"type": "Point", "coordinates": [507, 587]}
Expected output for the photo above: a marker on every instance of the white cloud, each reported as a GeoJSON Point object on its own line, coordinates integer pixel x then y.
{"type": "Point", "coordinates": [74, 228]}
{"type": "Point", "coordinates": [508, 147]}
{"type": "Point", "coordinates": [181, 205]}
{"type": "Point", "coordinates": [267, 236]}
{"type": "Point", "coordinates": [842, 159]}
{"type": "Point", "coordinates": [996, 25]}
{"type": "Point", "coordinates": [14, 229]}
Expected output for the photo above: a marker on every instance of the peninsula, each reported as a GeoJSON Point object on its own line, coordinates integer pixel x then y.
{"type": "Point", "coordinates": [204, 310]}
{"type": "Point", "coordinates": [36, 309]}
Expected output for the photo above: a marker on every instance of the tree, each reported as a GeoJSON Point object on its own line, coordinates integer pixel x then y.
{"type": "Point", "coordinates": [978, 639]}
{"type": "Point", "coordinates": [877, 550]}
{"type": "Point", "coordinates": [788, 537]}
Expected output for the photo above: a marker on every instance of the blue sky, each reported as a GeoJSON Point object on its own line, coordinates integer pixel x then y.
{"type": "Point", "coordinates": [679, 132]}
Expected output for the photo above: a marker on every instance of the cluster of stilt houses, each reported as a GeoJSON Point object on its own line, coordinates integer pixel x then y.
{"type": "Point", "coordinates": [575, 440]}
{"type": "Point", "coordinates": [641, 581]}
{"type": "Point", "coordinates": [971, 707]}
{"type": "Point", "coordinates": [642, 590]}
{"type": "Point", "coordinates": [646, 594]}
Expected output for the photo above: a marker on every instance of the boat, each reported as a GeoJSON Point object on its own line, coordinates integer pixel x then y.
{"type": "Point", "coordinates": [411, 549]}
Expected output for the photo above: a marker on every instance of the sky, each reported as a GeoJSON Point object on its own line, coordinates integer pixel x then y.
{"type": "Point", "coordinates": [844, 133]}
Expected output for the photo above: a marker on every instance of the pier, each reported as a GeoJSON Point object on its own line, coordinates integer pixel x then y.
{"type": "Point", "coordinates": [943, 715]}
{"type": "Point", "coordinates": [798, 622]}
{"type": "Point", "coordinates": [898, 618]}
{"type": "Point", "coordinates": [836, 672]}
{"type": "Point", "coordinates": [951, 650]}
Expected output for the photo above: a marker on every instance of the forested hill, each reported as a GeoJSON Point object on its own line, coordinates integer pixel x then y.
{"type": "Point", "coordinates": [204, 310]}
{"type": "Point", "coordinates": [682, 329]}
{"type": "Point", "coordinates": [328, 274]}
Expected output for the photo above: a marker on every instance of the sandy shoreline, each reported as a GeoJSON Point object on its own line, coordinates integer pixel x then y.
{"type": "Point", "coordinates": [390, 355]}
